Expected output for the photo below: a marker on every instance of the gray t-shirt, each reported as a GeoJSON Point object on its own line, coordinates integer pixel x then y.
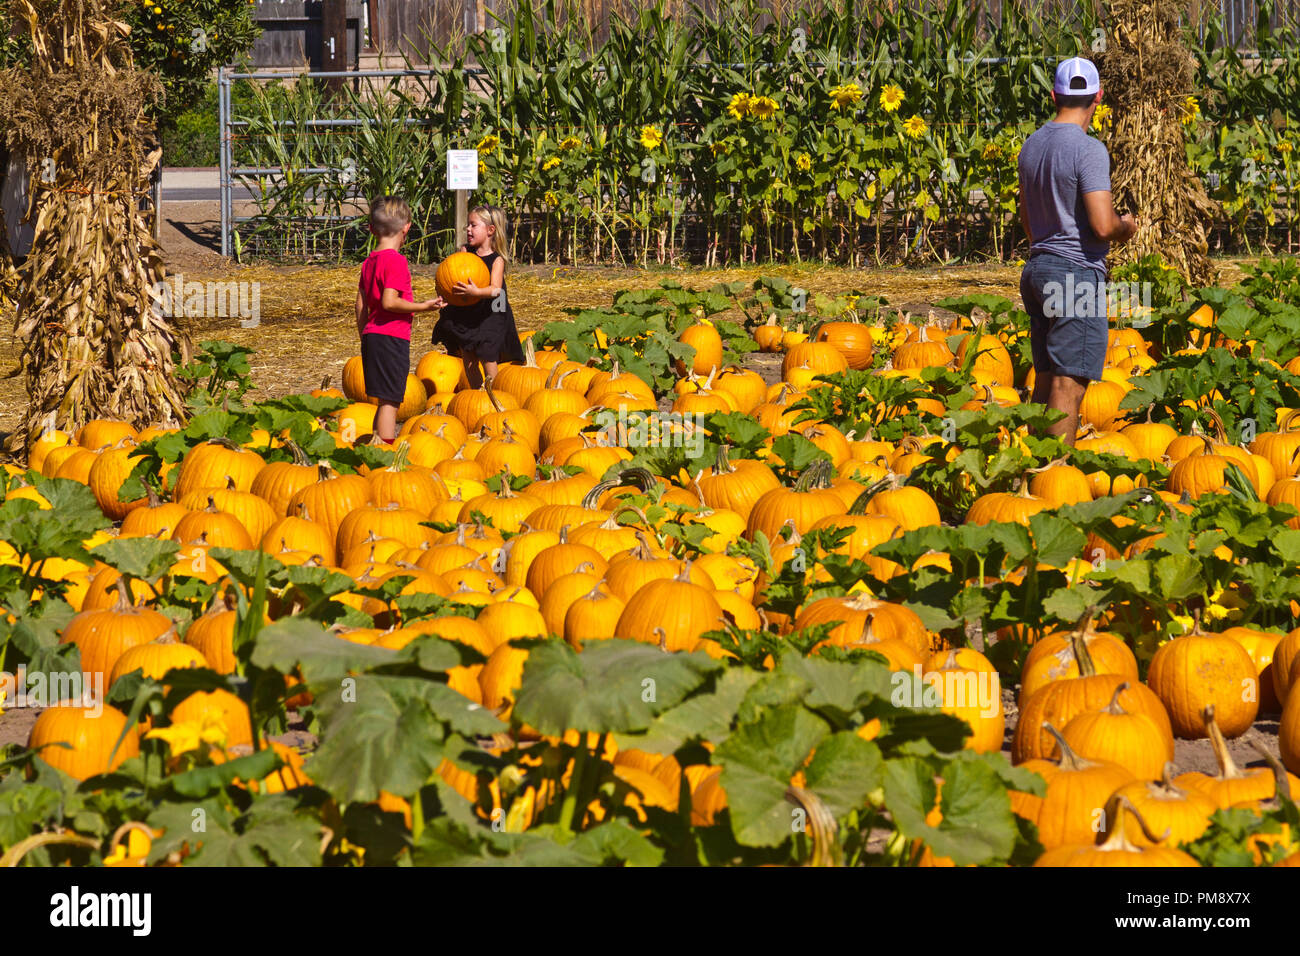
{"type": "Point", "coordinates": [1058, 163]}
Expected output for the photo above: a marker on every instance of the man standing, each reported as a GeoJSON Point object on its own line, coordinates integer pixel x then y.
{"type": "Point", "coordinates": [1068, 215]}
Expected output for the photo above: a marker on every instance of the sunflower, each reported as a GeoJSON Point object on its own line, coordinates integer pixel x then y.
{"type": "Point", "coordinates": [914, 127]}
{"type": "Point", "coordinates": [1284, 146]}
{"type": "Point", "coordinates": [719, 149]}
{"type": "Point", "coordinates": [763, 107]}
{"type": "Point", "coordinates": [651, 137]}
{"type": "Point", "coordinates": [845, 95]}
{"type": "Point", "coordinates": [739, 105]}
{"type": "Point", "coordinates": [570, 142]}
{"type": "Point", "coordinates": [488, 143]}
{"type": "Point", "coordinates": [1191, 110]}
{"type": "Point", "coordinates": [551, 199]}
{"type": "Point", "coordinates": [891, 98]}
{"type": "Point", "coordinates": [804, 162]}
{"type": "Point", "coordinates": [550, 164]}
{"type": "Point", "coordinates": [992, 151]}
{"type": "Point", "coordinates": [1101, 118]}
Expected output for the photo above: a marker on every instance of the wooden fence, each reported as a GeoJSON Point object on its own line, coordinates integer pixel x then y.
{"type": "Point", "coordinates": [294, 37]}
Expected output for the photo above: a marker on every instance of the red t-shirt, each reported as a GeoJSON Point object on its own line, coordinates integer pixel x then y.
{"type": "Point", "coordinates": [386, 269]}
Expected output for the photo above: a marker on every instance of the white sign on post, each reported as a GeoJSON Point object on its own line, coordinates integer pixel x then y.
{"type": "Point", "coordinates": [462, 169]}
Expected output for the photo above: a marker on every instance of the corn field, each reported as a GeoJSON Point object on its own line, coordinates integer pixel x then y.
{"type": "Point", "coordinates": [843, 132]}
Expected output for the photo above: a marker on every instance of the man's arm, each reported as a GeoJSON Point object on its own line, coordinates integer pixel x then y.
{"type": "Point", "coordinates": [1106, 223]}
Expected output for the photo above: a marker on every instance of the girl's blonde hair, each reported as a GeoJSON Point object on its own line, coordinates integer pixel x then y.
{"type": "Point", "coordinates": [494, 216]}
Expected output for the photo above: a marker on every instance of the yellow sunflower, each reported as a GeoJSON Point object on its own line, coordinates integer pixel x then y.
{"type": "Point", "coordinates": [551, 199]}
{"type": "Point", "coordinates": [1101, 118]}
{"type": "Point", "coordinates": [914, 127]}
{"type": "Point", "coordinates": [488, 143]}
{"type": "Point", "coordinates": [764, 107]}
{"type": "Point", "coordinates": [651, 137]}
{"type": "Point", "coordinates": [570, 142]}
{"type": "Point", "coordinates": [739, 106]}
{"type": "Point", "coordinates": [550, 164]}
{"type": "Point", "coordinates": [1191, 110]}
{"type": "Point", "coordinates": [1284, 146]}
{"type": "Point", "coordinates": [991, 151]}
{"type": "Point", "coordinates": [804, 162]}
{"type": "Point", "coordinates": [891, 98]}
{"type": "Point", "coordinates": [845, 95]}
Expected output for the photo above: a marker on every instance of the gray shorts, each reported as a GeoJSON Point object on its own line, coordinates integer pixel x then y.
{"type": "Point", "coordinates": [1068, 325]}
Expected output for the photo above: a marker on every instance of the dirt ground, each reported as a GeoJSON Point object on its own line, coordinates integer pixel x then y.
{"type": "Point", "coordinates": [307, 331]}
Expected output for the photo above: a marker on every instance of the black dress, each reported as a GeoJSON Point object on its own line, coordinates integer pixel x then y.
{"type": "Point", "coordinates": [488, 333]}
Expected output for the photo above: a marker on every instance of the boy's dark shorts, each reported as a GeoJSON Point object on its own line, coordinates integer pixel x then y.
{"type": "Point", "coordinates": [385, 363]}
{"type": "Point", "coordinates": [1067, 307]}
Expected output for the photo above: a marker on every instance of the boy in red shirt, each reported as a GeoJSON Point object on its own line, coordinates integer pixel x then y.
{"type": "Point", "coordinates": [385, 305]}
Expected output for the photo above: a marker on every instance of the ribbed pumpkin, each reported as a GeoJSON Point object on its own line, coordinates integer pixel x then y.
{"type": "Point", "coordinates": [736, 486]}
{"type": "Point", "coordinates": [1013, 508]}
{"type": "Point", "coordinates": [250, 510]}
{"type": "Point", "coordinates": [439, 372]}
{"type": "Point", "coordinates": [672, 613]}
{"type": "Point", "coordinates": [809, 501]}
{"type": "Point", "coordinates": [99, 432]}
{"type": "Point", "coordinates": [1288, 733]}
{"type": "Point", "coordinates": [992, 357]}
{"type": "Point", "coordinates": [1284, 667]}
{"type": "Point", "coordinates": [970, 693]}
{"type": "Point", "coordinates": [110, 469]}
{"type": "Point", "coordinates": [555, 603]}
{"type": "Point", "coordinates": [563, 557]}
{"type": "Point", "coordinates": [1076, 790]}
{"type": "Point", "coordinates": [215, 528]}
{"type": "Point", "coordinates": [156, 658]}
{"type": "Point", "coordinates": [504, 620]}
{"type": "Point", "coordinates": [1168, 808]}
{"type": "Point", "coordinates": [1282, 447]}
{"type": "Point", "coordinates": [331, 497]}
{"type": "Point", "coordinates": [769, 335]}
{"type": "Point", "coordinates": [911, 507]}
{"type": "Point", "coordinates": [520, 380]}
{"type": "Point", "coordinates": [704, 338]}
{"type": "Point", "coordinates": [217, 706]}
{"type": "Point", "coordinates": [92, 732]}
{"type": "Point", "coordinates": [298, 532]}
{"type": "Point", "coordinates": [1231, 785]}
{"type": "Point", "coordinates": [1196, 670]}
{"type": "Point", "coordinates": [1116, 846]}
{"type": "Point", "coordinates": [1052, 658]}
{"type": "Point", "coordinates": [1060, 484]}
{"type": "Point", "coordinates": [49, 439]}
{"type": "Point", "coordinates": [103, 635]}
{"type": "Point", "coordinates": [1061, 700]}
{"type": "Point", "coordinates": [215, 464]}
{"type": "Point", "coordinates": [745, 386]}
{"type": "Point", "coordinates": [1151, 439]}
{"type": "Point", "coordinates": [405, 485]}
{"type": "Point", "coordinates": [156, 517]}
{"type": "Point", "coordinates": [805, 361]}
{"type": "Point", "coordinates": [1100, 405]}
{"type": "Point", "coordinates": [852, 612]}
{"type": "Point", "coordinates": [593, 616]}
{"type": "Point", "coordinates": [1113, 734]}
{"type": "Point", "coordinates": [929, 351]}
{"type": "Point", "coordinates": [851, 339]}
{"type": "Point", "coordinates": [387, 521]}
{"type": "Point", "coordinates": [1260, 645]}
{"type": "Point", "coordinates": [213, 634]}
{"type": "Point", "coordinates": [461, 267]}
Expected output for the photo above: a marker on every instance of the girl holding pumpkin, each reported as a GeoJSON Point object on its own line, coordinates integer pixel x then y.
{"type": "Point", "coordinates": [485, 330]}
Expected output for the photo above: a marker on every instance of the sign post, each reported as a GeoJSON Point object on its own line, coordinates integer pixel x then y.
{"type": "Point", "coordinates": [462, 178]}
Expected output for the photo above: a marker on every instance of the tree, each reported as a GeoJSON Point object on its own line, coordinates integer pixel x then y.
{"type": "Point", "coordinates": [183, 42]}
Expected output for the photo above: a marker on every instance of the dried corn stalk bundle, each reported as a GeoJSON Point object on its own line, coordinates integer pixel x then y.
{"type": "Point", "coordinates": [94, 345]}
{"type": "Point", "coordinates": [1148, 73]}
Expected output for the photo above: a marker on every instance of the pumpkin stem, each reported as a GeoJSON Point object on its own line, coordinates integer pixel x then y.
{"type": "Point", "coordinates": [1228, 769]}
{"type": "Point", "coordinates": [1069, 759]}
{"type": "Point", "coordinates": [21, 848]}
{"type": "Point", "coordinates": [1114, 708]}
{"type": "Point", "coordinates": [124, 601]}
{"type": "Point", "coordinates": [1282, 783]}
{"type": "Point", "coordinates": [662, 636]}
{"type": "Point", "coordinates": [1079, 644]}
{"type": "Point", "coordinates": [487, 386]}
{"type": "Point", "coordinates": [1114, 837]}
{"type": "Point", "coordinates": [722, 463]}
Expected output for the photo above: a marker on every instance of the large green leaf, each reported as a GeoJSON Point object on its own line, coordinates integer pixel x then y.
{"type": "Point", "coordinates": [613, 686]}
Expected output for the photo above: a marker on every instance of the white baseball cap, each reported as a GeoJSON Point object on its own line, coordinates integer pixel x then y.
{"type": "Point", "coordinates": [1076, 77]}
